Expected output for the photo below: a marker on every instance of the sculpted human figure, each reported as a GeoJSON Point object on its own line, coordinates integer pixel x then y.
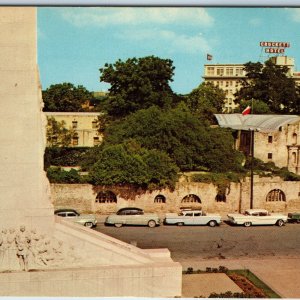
{"type": "Point", "coordinates": [3, 249]}
{"type": "Point", "coordinates": [22, 242]}
{"type": "Point", "coordinates": [12, 250]}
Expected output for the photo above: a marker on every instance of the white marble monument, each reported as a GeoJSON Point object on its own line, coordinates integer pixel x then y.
{"type": "Point", "coordinates": [41, 255]}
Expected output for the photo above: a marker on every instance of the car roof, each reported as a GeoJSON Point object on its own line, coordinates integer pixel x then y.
{"type": "Point", "coordinates": [128, 208]}
{"type": "Point", "coordinates": [65, 210]}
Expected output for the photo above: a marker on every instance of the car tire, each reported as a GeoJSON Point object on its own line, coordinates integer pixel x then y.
{"type": "Point", "coordinates": [180, 224]}
{"type": "Point", "coordinates": [118, 225]}
{"type": "Point", "coordinates": [151, 224]}
{"type": "Point", "coordinates": [280, 223]}
{"type": "Point", "coordinates": [88, 224]}
{"type": "Point", "coordinates": [247, 224]}
{"type": "Point", "coordinates": [212, 223]}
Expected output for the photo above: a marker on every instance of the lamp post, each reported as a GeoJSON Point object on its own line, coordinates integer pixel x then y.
{"type": "Point", "coordinates": [251, 165]}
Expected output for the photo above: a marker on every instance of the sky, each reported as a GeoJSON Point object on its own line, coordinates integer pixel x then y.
{"type": "Point", "coordinates": [75, 42]}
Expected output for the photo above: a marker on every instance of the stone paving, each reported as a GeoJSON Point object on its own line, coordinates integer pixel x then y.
{"type": "Point", "coordinates": [282, 275]}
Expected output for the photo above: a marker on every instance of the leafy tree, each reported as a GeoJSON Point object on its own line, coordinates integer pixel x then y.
{"type": "Point", "coordinates": [65, 97]}
{"type": "Point", "coordinates": [270, 84]}
{"type": "Point", "coordinates": [57, 175]}
{"type": "Point", "coordinates": [138, 83]}
{"type": "Point", "coordinates": [125, 164]}
{"type": "Point", "coordinates": [181, 135]}
{"type": "Point", "coordinates": [57, 134]}
{"type": "Point", "coordinates": [206, 100]}
{"type": "Point", "coordinates": [259, 107]}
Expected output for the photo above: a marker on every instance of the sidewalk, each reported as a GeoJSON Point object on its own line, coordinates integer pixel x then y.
{"type": "Point", "coordinates": [282, 275]}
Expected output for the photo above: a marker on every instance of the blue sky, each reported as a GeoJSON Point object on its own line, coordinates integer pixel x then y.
{"type": "Point", "coordinates": [74, 42]}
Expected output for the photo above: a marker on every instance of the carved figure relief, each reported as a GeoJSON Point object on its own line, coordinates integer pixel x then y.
{"type": "Point", "coordinates": [25, 250]}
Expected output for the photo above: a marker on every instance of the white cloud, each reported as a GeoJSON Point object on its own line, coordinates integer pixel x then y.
{"type": "Point", "coordinates": [295, 14]}
{"type": "Point", "coordinates": [108, 16]}
{"type": "Point", "coordinates": [172, 41]}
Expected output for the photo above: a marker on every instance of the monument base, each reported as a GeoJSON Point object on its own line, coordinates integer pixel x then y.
{"type": "Point", "coordinates": [95, 265]}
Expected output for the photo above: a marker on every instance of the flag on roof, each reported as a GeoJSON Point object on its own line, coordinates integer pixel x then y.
{"type": "Point", "coordinates": [246, 111]}
{"type": "Point", "coordinates": [209, 57]}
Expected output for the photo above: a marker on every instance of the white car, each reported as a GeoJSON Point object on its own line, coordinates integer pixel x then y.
{"type": "Point", "coordinates": [257, 217]}
{"type": "Point", "coordinates": [192, 217]}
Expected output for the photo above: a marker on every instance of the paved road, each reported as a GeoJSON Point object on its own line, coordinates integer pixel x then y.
{"type": "Point", "coordinates": [225, 241]}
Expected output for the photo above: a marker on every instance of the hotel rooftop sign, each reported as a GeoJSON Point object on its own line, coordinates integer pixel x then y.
{"type": "Point", "coordinates": [274, 47]}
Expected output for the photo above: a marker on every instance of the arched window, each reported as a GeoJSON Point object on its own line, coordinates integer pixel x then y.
{"type": "Point", "coordinates": [106, 197]}
{"type": "Point", "coordinates": [294, 138]}
{"type": "Point", "coordinates": [75, 139]}
{"type": "Point", "coordinates": [160, 199]}
{"type": "Point", "coordinates": [276, 195]}
{"type": "Point", "coordinates": [220, 197]}
{"type": "Point", "coordinates": [191, 198]}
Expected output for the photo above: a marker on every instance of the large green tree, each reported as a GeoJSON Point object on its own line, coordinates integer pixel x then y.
{"type": "Point", "coordinates": [269, 83]}
{"type": "Point", "coordinates": [138, 83]}
{"type": "Point", "coordinates": [65, 97]}
{"type": "Point", "coordinates": [206, 100]}
{"type": "Point", "coordinates": [128, 163]}
{"type": "Point", "coordinates": [180, 134]}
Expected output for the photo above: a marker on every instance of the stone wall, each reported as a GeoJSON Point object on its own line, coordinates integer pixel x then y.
{"type": "Point", "coordinates": [83, 197]}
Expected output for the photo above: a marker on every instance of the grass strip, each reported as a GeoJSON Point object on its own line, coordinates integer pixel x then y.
{"type": "Point", "coordinates": [256, 281]}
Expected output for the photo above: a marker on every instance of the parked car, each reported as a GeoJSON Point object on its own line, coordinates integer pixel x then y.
{"type": "Point", "coordinates": [132, 216]}
{"type": "Point", "coordinates": [192, 217]}
{"type": "Point", "coordinates": [72, 214]}
{"type": "Point", "coordinates": [294, 217]}
{"type": "Point", "coordinates": [257, 217]}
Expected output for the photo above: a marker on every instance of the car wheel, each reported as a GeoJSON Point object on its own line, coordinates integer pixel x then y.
{"type": "Point", "coordinates": [280, 223]}
{"type": "Point", "coordinates": [151, 224]}
{"type": "Point", "coordinates": [180, 224]}
{"type": "Point", "coordinates": [247, 224]}
{"type": "Point", "coordinates": [118, 225]}
{"type": "Point", "coordinates": [212, 223]}
{"type": "Point", "coordinates": [88, 224]}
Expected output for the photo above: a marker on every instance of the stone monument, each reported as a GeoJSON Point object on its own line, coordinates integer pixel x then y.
{"type": "Point", "coordinates": [41, 255]}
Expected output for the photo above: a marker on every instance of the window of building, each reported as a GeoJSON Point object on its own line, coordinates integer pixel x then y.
{"type": "Point", "coordinates": [160, 199]}
{"type": "Point", "coordinates": [191, 198]}
{"type": "Point", "coordinates": [95, 124]}
{"type": "Point", "coordinates": [294, 138]}
{"type": "Point", "coordinates": [294, 158]}
{"type": "Point", "coordinates": [276, 195]}
{"type": "Point", "coordinates": [270, 139]}
{"type": "Point", "coordinates": [210, 70]}
{"type": "Point", "coordinates": [230, 101]}
{"type": "Point", "coordinates": [220, 71]}
{"type": "Point", "coordinates": [229, 71]}
{"type": "Point", "coordinates": [96, 140]}
{"type": "Point", "coordinates": [227, 83]}
{"type": "Point", "coordinates": [74, 124]}
{"type": "Point", "coordinates": [270, 155]}
{"type": "Point", "coordinates": [106, 197]}
{"type": "Point", "coordinates": [75, 139]}
{"type": "Point", "coordinates": [239, 71]}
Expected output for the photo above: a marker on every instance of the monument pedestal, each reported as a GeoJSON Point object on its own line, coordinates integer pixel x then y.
{"type": "Point", "coordinates": [59, 258]}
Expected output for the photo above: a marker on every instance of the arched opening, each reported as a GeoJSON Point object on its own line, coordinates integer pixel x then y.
{"type": "Point", "coordinates": [294, 158]}
{"type": "Point", "coordinates": [220, 197]}
{"type": "Point", "coordinates": [191, 198]}
{"type": "Point", "coordinates": [276, 195]}
{"type": "Point", "coordinates": [160, 199]}
{"type": "Point", "coordinates": [106, 197]}
{"type": "Point", "coordinates": [294, 139]}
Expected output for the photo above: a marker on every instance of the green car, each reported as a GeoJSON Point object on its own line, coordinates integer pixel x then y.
{"type": "Point", "coordinates": [132, 216]}
{"type": "Point", "coordinates": [294, 217]}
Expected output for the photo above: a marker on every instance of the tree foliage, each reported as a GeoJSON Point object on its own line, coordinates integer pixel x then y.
{"type": "Point", "coordinates": [65, 97]}
{"type": "Point", "coordinates": [128, 163]}
{"type": "Point", "coordinates": [270, 84]}
{"type": "Point", "coordinates": [138, 83]}
{"type": "Point", "coordinates": [206, 100]}
{"type": "Point", "coordinates": [181, 135]}
{"type": "Point", "coordinates": [57, 134]}
{"type": "Point", "coordinates": [258, 107]}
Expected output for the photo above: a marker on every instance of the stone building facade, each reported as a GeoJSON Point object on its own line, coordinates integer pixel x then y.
{"type": "Point", "coordinates": [84, 124]}
{"type": "Point", "coordinates": [270, 193]}
{"type": "Point", "coordinates": [276, 137]}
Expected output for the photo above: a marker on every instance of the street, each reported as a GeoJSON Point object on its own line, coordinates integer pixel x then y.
{"type": "Point", "coordinates": [202, 242]}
